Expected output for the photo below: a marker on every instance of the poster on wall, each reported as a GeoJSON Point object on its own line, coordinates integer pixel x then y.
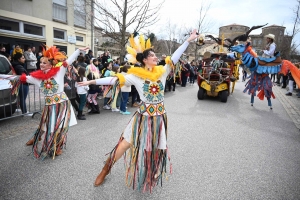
{"type": "Point", "coordinates": [72, 39]}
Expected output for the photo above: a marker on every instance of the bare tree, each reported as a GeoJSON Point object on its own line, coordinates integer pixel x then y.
{"type": "Point", "coordinates": [203, 24]}
{"type": "Point", "coordinates": [117, 17]}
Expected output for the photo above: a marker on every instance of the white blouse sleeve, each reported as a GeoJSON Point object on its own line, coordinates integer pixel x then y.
{"type": "Point", "coordinates": [72, 58]}
{"type": "Point", "coordinates": [106, 81]}
{"type": "Point", "coordinates": [179, 52]}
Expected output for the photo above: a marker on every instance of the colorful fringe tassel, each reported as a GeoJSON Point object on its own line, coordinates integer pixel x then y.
{"type": "Point", "coordinates": [54, 125]}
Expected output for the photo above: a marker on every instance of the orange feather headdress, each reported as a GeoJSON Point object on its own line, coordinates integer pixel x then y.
{"type": "Point", "coordinates": [53, 54]}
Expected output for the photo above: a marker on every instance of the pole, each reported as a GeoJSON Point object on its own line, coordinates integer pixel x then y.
{"type": "Point", "coordinates": [92, 26]}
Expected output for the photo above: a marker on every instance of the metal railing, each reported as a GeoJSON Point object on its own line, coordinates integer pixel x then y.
{"type": "Point", "coordinates": [10, 104]}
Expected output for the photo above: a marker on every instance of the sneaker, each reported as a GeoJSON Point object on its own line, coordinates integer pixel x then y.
{"type": "Point", "coordinates": [289, 94]}
{"type": "Point", "coordinates": [125, 113]}
{"type": "Point", "coordinates": [18, 110]}
{"type": "Point", "coordinates": [28, 114]}
{"type": "Point", "coordinates": [106, 107]}
{"type": "Point", "coordinates": [115, 110]}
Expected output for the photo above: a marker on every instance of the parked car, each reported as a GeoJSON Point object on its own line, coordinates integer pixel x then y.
{"type": "Point", "coordinates": [8, 102]}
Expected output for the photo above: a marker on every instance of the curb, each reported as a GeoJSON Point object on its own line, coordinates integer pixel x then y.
{"type": "Point", "coordinates": [292, 110]}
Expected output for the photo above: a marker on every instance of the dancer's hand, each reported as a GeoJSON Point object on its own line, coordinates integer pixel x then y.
{"type": "Point", "coordinates": [84, 83]}
{"type": "Point", "coordinates": [193, 36]}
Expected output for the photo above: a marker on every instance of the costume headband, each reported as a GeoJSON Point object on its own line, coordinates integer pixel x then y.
{"type": "Point", "coordinates": [137, 45]}
{"type": "Point", "coordinates": [53, 55]}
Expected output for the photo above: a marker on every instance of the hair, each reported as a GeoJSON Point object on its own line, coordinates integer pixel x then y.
{"type": "Point", "coordinates": [17, 56]}
{"type": "Point", "coordinates": [106, 65]}
{"type": "Point", "coordinates": [123, 63]}
{"type": "Point", "coordinates": [95, 60]}
{"type": "Point", "coordinates": [80, 59]}
{"type": "Point", "coordinates": [81, 74]}
{"type": "Point", "coordinates": [140, 56]}
{"type": "Point", "coordinates": [29, 47]}
{"type": "Point", "coordinates": [125, 68]}
{"type": "Point", "coordinates": [115, 69]}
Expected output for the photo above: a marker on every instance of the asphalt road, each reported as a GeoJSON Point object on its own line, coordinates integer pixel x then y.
{"type": "Point", "coordinates": [218, 151]}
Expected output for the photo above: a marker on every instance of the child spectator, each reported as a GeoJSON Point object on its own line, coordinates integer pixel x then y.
{"type": "Point", "coordinates": [124, 92]}
{"type": "Point", "coordinates": [92, 73]}
{"type": "Point", "coordinates": [107, 73]}
{"type": "Point", "coordinates": [116, 103]}
{"type": "Point", "coordinates": [81, 91]}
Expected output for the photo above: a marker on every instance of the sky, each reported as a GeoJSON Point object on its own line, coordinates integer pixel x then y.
{"type": "Point", "coordinates": [225, 12]}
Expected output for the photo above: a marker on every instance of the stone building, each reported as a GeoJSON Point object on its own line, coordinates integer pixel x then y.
{"type": "Point", "coordinates": [282, 41]}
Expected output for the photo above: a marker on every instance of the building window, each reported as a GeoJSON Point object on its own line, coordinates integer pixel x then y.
{"type": "Point", "coordinates": [259, 42]}
{"type": "Point", "coordinates": [79, 13]}
{"type": "Point", "coordinates": [230, 28]}
{"type": "Point", "coordinates": [60, 9]}
{"type": "Point", "coordinates": [33, 29]}
{"type": "Point", "coordinates": [79, 38]}
{"type": "Point", "coordinates": [254, 42]}
{"type": "Point", "coordinates": [280, 32]}
{"type": "Point", "coordinates": [9, 25]}
{"type": "Point", "coordinates": [59, 34]}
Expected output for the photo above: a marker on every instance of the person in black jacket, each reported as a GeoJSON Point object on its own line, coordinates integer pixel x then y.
{"type": "Point", "coordinates": [18, 65]}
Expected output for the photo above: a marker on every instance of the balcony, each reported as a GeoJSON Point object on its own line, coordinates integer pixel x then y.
{"type": "Point", "coordinates": [60, 13]}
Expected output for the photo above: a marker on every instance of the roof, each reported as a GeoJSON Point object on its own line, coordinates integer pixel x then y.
{"type": "Point", "coordinates": [234, 24]}
{"type": "Point", "coordinates": [274, 25]}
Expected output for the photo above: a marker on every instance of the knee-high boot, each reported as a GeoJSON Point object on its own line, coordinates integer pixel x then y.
{"type": "Point", "coordinates": [104, 172]}
{"type": "Point", "coordinates": [97, 109]}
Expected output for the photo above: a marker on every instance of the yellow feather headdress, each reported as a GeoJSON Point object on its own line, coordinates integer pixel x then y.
{"type": "Point", "coordinates": [136, 45]}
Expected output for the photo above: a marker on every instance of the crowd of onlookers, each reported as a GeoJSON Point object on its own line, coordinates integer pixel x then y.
{"type": "Point", "coordinates": [88, 67]}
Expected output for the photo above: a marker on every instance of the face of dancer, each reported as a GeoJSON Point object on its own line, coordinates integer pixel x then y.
{"type": "Point", "coordinates": [151, 60]}
{"type": "Point", "coordinates": [45, 64]}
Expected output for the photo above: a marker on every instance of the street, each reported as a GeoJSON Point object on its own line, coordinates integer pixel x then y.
{"type": "Point", "coordinates": [218, 151]}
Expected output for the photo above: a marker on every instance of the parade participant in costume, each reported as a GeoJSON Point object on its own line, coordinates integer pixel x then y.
{"type": "Point", "coordinates": [270, 47]}
{"type": "Point", "coordinates": [92, 73]}
{"type": "Point", "coordinates": [58, 113]}
{"type": "Point", "coordinates": [146, 133]}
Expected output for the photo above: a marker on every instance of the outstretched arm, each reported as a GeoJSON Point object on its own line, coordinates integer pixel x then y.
{"type": "Point", "coordinates": [183, 47]}
{"type": "Point", "coordinates": [100, 81]}
{"type": "Point", "coordinates": [75, 55]}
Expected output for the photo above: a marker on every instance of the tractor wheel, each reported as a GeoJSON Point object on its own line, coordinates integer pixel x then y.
{"type": "Point", "coordinates": [201, 94]}
{"type": "Point", "coordinates": [224, 96]}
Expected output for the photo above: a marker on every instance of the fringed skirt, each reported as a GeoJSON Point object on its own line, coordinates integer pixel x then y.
{"type": "Point", "coordinates": [260, 83]}
{"type": "Point", "coordinates": [53, 128]}
{"type": "Point", "coordinates": [146, 160]}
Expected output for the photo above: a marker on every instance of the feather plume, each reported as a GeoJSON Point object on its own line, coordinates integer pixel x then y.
{"type": "Point", "coordinates": [131, 51]}
{"type": "Point", "coordinates": [142, 42]}
{"type": "Point", "coordinates": [138, 45]}
{"type": "Point", "coordinates": [148, 44]}
{"type": "Point", "coordinates": [131, 41]}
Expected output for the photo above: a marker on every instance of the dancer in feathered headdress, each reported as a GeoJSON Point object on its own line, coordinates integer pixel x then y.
{"type": "Point", "coordinates": [58, 114]}
{"type": "Point", "coordinates": [146, 133]}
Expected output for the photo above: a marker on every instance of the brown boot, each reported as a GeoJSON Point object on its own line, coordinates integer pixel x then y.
{"type": "Point", "coordinates": [30, 142]}
{"type": "Point", "coordinates": [105, 171]}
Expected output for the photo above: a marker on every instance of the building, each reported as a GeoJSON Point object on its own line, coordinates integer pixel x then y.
{"type": "Point", "coordinates": [282, 41]}
{"type": "Point", "coordinates": [63, 23]}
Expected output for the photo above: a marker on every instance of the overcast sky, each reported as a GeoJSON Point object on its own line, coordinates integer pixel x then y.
{"type": "Point", "coordinates": [225, 12]}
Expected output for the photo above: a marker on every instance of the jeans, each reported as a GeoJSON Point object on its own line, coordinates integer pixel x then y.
{"type": "Point", "coordinates": [82, 101]}
{"type": "Point", "coordinates": [125, 96]}
{"type": "Point", "coordinates": [23, 92]}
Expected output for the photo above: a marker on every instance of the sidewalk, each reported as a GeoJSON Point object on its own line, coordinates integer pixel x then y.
{"type": "Point", "coordinates": [290, 103]}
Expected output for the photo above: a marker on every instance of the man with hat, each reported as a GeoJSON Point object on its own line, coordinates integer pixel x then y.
{"type": "Point", "coordinates": [270, 47]}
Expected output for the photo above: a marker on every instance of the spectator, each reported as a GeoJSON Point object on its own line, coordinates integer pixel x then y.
{"type": "Point", "coordinates": [18, 65]}
{"type": "Point", "coordinates": [184, 73]}
{"type": "Point", "coordinates": [92, 73]}
{"type": "Point", "coordinates": [40, 55]}
{"type": "Point", "coordinates": [107, 73]}
{"type": "Point", "coordinates": [80, 62]}
{"type": "Point", "coordinates": [31, 60]}
{"type": "Point", "coordinates": [163, 60]}
{"type": "Point", "coordinates": [125, 92]}
{"type": "Point", "coordinates": [105, 58]}
{"type": "Point", "coordinates": [69, 87]}
{"type": "Point", "coordinates": [81, 91]}
{"type": "Point", "coordinates": [88, 57]}
{"type": "Point", "coordinates": [192, 72]}
{"type": "Point", "coordinates": [17, 49]}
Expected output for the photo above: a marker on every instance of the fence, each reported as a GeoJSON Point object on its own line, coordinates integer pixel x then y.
{"type": "Point", "coordinates": [14, 106]}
